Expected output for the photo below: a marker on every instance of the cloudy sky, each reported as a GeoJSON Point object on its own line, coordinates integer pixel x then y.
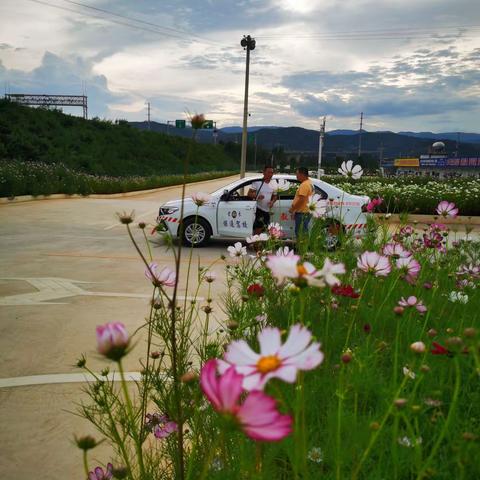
{"type": "Point", "coordinates": [407, 64]}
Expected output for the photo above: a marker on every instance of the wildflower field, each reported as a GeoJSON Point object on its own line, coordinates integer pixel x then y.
{"type": "Point", "coordinates": [36, 178]}
{"type": "Point", "coordinates": [402, 194]}
{"type": "Point", "coordinates": [414, 194]}
{"type": "Point", "coordinates": [357, 363]}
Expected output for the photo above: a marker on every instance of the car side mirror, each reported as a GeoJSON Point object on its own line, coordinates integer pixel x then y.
{"type": "Point", "coordinates": [224, 196]}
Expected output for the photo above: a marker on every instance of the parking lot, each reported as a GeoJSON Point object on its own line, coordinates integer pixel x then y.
{"type": "Point", "coordinates": [66, 266]}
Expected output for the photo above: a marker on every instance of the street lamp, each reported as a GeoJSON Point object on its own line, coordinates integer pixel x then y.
{"type": "Point", "coordinates": [248, 43]}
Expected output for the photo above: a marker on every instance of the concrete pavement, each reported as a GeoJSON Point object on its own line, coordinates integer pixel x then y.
{"type": "Point", "coordinates": [67, 266]}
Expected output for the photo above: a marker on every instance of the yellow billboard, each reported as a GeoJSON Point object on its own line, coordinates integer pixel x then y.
{"type": "Point", "coordinates": [406, 162]}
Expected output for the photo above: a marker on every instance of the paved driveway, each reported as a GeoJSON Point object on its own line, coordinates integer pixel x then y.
{"type": "Point", "coordinates": [65, 267]}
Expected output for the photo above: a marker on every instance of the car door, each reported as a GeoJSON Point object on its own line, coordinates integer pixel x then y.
{"type": "Point", "coordinates": [236, 212]}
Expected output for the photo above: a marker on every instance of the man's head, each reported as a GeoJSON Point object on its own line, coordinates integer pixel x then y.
{"type": "Point", "coordinates": [267, 173]}
{"type": "Point", "coordinates": [302, 174]}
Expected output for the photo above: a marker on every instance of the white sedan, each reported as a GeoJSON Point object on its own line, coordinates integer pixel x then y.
{"type": "Point", "coordinates": [230, 213]}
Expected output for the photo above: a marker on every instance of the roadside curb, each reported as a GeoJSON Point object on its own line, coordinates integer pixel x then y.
{"type": "Point", "coordinates": [428, 219]}
{"type": "Point", "coordinates": [63, 196]}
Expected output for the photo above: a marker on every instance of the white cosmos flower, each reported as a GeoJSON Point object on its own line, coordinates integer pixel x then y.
{"type": "Point", "coordinates": [458, 297]}
{"type": "Point", "coordinates": [288, 268]}
{"type": "Point", "coordinates": [274, 360]}
{"type": "Point", "coordinates": [163, 278]}
{"type": "Point", "coordinates": [329, 271]}
{"type": "Point", "coordinates": [237, 250]}
{"type": "Point", "coordinates": [317, 206]}
{"type": "Point", "coordinates": [201, 198]}
{"type": "Point", "coordinates": [285, 252]}
{"type": "Point", "coordinates": [280, 185]}
{"type": "Point", "coordinates": [349, 170]}
{"type": "Point", "coordinates": [263, 237]}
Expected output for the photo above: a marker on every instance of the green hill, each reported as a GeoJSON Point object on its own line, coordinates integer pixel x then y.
{"type": "Point", "coordinates": [101, 147]}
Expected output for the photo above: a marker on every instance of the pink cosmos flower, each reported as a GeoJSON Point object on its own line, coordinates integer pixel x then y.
{"type": "Point", "coordinates": [469, 270]}
{"type": "Point", "coordinates": [160, 425]}
{"type": "Point", "coordinates": [372, 262]}
{"type": "Point", "coordinates": [409, 267]}
{"type": "Point", "coordinates": [112, 340]}
{"type": "Point", "coordinates": [275, 230]}
{"type": "Point", "coordinates": [257, 416]}
{"type": "Point", "coordinates": [274, 360]}
{"type": "Point", "coordinates": [163, 278]}
{"type": "Point", "coordinates": [201, 198]}
{"type": "Point", "coordinates": [395, 250]}
{"type": "Point", "coordinates": [447, 209]}
{"type": "Point", "coordinates": [412, 301]}
{"type": "Point", "coordinates": [374, 203]}
{"type": "Point", "coordinates": [99, 474]}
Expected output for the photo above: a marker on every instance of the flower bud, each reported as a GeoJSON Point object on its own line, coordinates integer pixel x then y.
{"type": "Point", "coordinates": [112, 340]}
{"type": "Point", "coordinates": [142, 225]}
{"type": "Point", "coordinates": [400, 402]}
{"type": "Point", "coordinates": [425, 368]}
{"type": "Point", "coordinates": [449, 330]}
{"type": "Point", "coordinates": [432, 333]}
{"type": "Point", "coordinates": [232, 325]}
{"type": "Point", "coordinates": [346, 357]}
{"type": "Point", "coordinates": [418, 347]}
{"type": "Point", "coordinates": [188, 377]}
{"type": "Point", "coordinates": [454, 342]}
{"type": "Point", "coordinates": [374, 426]}
{"type": "Point", "coordinates": [469, 332]}
{"type": "Point", "coordinates": [81, 362]}
{"type": "Point", "coordinates": [155, 355]}
{"type": "Point", "coordinates": [469, 436]}
{"type": "Point", "coordinates": [120, 472]}
{"type": "Point", "coordinates": [85, 443]}
{"type": "Point", "coordinates": [398, 310]}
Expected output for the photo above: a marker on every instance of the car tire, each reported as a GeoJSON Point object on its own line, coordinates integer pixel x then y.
{"type": "Point", "coordinates": [196, 232]}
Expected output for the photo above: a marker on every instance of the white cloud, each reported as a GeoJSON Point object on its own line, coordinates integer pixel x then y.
{"type": "Point", "coordinates": [308, 61]}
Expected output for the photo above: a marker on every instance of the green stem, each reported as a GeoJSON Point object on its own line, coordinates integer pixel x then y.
{"type": "Point", "coordinates": [338, 435]}
{"type": "Point", "coordinates": [85, 463]}
{"type": "Point", "coordinates": [137, 440]}
{"type": "Point", "coordinates": [456, 391]}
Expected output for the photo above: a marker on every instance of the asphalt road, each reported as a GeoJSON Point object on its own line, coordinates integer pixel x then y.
{"type": "Point", "coordinates": [67, 266]}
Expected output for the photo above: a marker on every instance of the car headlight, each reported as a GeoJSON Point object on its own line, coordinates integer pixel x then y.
{"type": "Point", "coordinates": [168, 210]}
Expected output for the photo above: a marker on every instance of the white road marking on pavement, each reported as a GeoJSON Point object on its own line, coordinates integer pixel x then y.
{"type": "Point", "coordinates": [64, 378]}
{"type": "Point", "coordinates": [51, 288]}
{"type": "Point", "coordinates": [136, 217]}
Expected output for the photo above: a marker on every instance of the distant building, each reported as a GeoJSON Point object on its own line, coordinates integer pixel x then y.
{"type": "Point", "coordinates": [437, 163]}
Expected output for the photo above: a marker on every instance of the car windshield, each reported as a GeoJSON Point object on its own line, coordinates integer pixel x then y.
{"type": "Point", "coordinates": [232, 185]}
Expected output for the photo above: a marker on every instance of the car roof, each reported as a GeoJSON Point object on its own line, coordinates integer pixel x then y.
{"type": "Point", "coordinates": [316, 181]}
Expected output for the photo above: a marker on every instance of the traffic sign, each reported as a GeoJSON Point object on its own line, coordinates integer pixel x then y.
{"type": "Point", "coordinates": [180, 123]}
{"type": "Point", "coordinates": [208, 124]}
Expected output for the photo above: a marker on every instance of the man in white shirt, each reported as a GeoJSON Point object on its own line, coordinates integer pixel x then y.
{"type": "Point", "coordinates": [263, 193]}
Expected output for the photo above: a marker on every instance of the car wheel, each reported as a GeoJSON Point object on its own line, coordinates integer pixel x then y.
{"type": "Point", "coordinates": [196, 232]}
{"type": "Point", "coordinates": [333, 234]}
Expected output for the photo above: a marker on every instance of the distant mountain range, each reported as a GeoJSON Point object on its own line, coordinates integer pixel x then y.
{"type": "Point", "coordinates": [337, 142]}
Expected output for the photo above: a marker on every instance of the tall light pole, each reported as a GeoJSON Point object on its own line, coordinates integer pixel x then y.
{"type": "Point", "coordinates": [248, 43]}
{"type": "Point", "coordinates": [320, 146]}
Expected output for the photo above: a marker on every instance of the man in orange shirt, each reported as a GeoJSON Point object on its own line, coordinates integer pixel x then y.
{"type": "Point", "coordinates": [300, 202]}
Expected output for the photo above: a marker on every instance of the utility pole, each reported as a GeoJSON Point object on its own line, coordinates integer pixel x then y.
{"type": "Point", "coordinates": [360, 137]}
{"type": "Point", "coordinates": [148, 114]}
{"type": "Point", "coordinates": [320, 146]}
{"type": "Point", "coordinates": [248, 43]}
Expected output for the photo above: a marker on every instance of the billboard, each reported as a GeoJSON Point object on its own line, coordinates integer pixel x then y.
{"type": "Point", "coordinates": [406, 162]}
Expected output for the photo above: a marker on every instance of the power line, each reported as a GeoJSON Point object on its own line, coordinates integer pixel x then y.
{"type": "Point", "coordinates": [372, 32]}
{"type": "Point", "coordinates": [118, 22]}
{"type": "Point", "coordinates": [109, 12]}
